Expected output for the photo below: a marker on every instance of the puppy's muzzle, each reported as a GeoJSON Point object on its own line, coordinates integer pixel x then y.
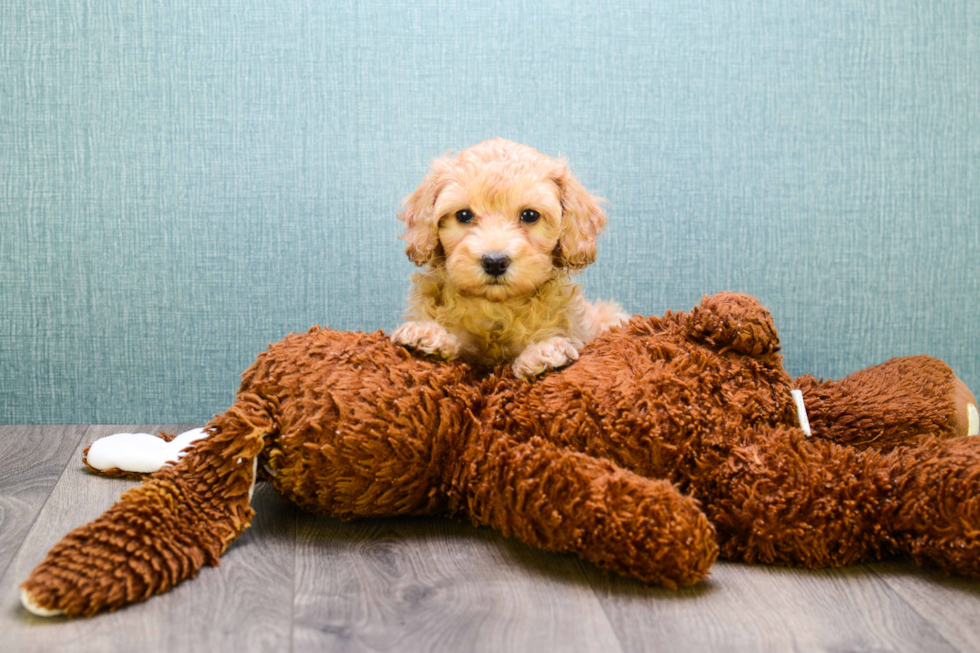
{"type": "Point", "coordinates": [495, 264]}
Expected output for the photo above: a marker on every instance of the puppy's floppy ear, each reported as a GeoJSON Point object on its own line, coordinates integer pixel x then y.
{"type": "Point", "coordinates": [421, 222]}
{"type": "Point", "coordinates": [582, 220]}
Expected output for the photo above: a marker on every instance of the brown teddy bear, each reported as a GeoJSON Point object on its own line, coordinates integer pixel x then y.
{"type": "Point", "coordinates": [672, 440]}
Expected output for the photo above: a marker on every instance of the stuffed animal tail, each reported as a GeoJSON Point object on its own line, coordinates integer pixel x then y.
{"type": "Point", "coordinates": [162, 531]}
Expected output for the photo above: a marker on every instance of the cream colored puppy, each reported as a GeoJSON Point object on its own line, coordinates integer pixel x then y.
{"type": "Point", "coordinates": [499, 227]}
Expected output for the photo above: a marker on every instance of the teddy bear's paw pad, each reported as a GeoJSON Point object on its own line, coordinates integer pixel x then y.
{"type": "Point", "coordinates": [32, 606]}
{"type": "Point", "coordinates": [965, 419]}
{"type": "Point", "coordinates": [139, 453]}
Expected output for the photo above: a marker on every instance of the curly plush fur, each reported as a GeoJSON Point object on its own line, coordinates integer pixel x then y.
{"type": "Point", "coordinates": [468, 211]}
{"type": "Point", "coordinates": [672, 440]}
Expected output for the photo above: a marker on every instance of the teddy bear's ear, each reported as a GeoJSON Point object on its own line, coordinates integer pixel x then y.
{"type": "Point", "coordinates": [421, 222]}
{"type": "Point", "coordinates": [582, 220]}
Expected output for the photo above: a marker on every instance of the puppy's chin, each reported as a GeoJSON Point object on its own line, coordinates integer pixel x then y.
{"type": "Point", "coordinates": [500, 292]}
{"type": "Point", "coordinates": [495, 290]}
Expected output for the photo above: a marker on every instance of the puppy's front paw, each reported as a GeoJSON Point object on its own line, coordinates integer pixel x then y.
{"type": "Point", "coordinates": [546, 355]}
{"type": "Point", "coordinates": [427, 338]}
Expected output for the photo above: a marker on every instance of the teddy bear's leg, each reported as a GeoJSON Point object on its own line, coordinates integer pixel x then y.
{"type": "Point", "coordinates": [162, 531]}
{"type": "Point", "coordinates": [937, 491]}
{"type": "Point", "coordinates": [886, 405]}
{"type": "Point", "coordinates": [564, 501]}
{"type": "Point", "coordinates": [782, 498]}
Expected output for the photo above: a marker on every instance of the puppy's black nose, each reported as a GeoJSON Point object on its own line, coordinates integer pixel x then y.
{"type": "Point", "coordinates": [495, 264]}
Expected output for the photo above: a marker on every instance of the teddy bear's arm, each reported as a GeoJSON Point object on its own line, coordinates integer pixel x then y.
{"type": "Point", "coordinates": [890, 404]}
{"type": "Point", "coordinates": [563, 501]}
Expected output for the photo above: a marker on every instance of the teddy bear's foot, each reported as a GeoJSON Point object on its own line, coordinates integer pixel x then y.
{"type": "Point", "coordinates": [937, 493]}
{"type": "Point", "coordinates": [891, 404]}
{"type": "Point", "coordinates": [137, 454]}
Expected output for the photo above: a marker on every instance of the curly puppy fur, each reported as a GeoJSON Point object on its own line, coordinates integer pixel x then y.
{"type": "Point", "coordinates": [499, 227]}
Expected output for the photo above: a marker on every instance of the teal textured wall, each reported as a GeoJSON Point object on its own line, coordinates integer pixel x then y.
{"type": "Point", "coordinates": [183, 182]}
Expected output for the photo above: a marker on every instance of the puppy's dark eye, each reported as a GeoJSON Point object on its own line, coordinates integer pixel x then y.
{"type": "Point", "coordinates": [529, 216]}
{"type": "Point", "coordinates": [464, 216]}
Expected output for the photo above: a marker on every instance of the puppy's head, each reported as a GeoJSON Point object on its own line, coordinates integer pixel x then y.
{"type": "Point", "coordinates": [500, 216]}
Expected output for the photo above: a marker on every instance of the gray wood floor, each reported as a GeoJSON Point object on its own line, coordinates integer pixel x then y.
{"type": "Point", "coordinates": [298, 582]}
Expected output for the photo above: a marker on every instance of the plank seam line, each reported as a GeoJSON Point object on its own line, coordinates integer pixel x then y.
{"type": "Point", "coordinates": [891, 590]}
{"type": "Point", "coordinates": [292, 603]}
{"type": "Point", "coordinates": [83, 429]}
{"type": "Point", "coordinates": [598, 599]}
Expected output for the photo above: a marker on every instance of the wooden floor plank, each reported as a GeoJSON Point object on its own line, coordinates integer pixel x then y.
{"type": "Point", "coordinates": [32, 459]}
{"type": "Point", "coordinates": [243, 605]}
{"type": "Point", "coordinates": [760, 608]}
{"type": "Point", "coordinates": [431, 584]}
{"type": "Point", "coordinates": [951, 603]}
